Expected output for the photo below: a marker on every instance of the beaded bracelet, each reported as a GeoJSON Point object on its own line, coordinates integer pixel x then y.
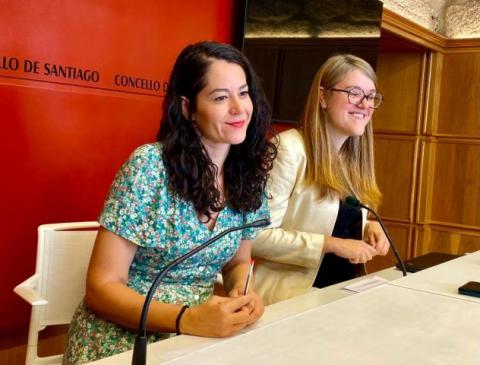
{"type": "Point", "coordinates": [179, 317]}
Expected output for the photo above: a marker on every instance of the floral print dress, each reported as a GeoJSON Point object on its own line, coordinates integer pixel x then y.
{"type": "Point", "coordinates": [141, 209]}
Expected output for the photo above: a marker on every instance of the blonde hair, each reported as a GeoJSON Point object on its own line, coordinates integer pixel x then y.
{"type": "Point", "coordinates": [352, 171]}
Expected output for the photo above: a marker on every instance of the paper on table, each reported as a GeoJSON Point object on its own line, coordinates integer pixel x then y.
{"type": "Point", "coordinates": [366, 284]}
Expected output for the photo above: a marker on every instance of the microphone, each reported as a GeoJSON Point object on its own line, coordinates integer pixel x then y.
{"type": "Point", "coordinates": [354, 202]}
{"type": "Point", "coordinates": [139, 356]}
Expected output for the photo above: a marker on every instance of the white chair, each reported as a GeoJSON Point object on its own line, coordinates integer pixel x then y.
{"type": "Point", "coordinates": [58, 285]}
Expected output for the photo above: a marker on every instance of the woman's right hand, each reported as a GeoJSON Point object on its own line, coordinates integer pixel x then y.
{"type": "Point", "coordinates": [356, 251]}
{"type": "Point", "coordinates": [217, 317]}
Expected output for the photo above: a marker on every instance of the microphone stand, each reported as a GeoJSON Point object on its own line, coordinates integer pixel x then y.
{"type": "Point", "coordinates": [356, 203]}
{"type": "Point", "coordinates": [139, 356]}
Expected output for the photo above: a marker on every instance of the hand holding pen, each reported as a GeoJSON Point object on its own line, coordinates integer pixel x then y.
{"type": "Point", "coordinates": [249, 277]}
{"type": "Point", "coordinates": [255, 306]}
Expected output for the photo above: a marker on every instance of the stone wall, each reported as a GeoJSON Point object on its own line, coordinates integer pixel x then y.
{"type": "Point", "coordinates": [451, 18]}
{"type": "Point", "coordinates": [463, 19]}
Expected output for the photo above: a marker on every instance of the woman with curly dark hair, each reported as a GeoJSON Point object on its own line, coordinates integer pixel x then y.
{"type": "Point", "coordinates": [207, 173]}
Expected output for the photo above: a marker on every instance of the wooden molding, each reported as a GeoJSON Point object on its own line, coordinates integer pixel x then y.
{"type": "Point", "coordinates": [460, 45]}
{"type": "Point", "coordinates": [452, 139]}
{"type": "Point", "coordinates": [415, 33]}
{"type": "Point", "coordinates": [448, 229]}
{"type": "Point", "coordinates": [411, 31]}
{"type": "Point", "coordinates": [465, 227]}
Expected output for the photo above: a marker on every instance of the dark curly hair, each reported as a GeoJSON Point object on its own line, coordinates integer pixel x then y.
{"type": "Point", "coordinates": [191, 172]}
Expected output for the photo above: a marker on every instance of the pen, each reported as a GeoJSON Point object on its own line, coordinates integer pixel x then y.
{"type": "Point", "coordinates": [249, 277]}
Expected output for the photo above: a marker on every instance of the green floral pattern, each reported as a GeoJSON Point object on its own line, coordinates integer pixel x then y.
{"type": "Point", "coordinates": [141, 208]}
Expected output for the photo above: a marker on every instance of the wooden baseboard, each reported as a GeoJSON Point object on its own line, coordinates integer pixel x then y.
{"type": "Point", "coordinates": [13, 346]}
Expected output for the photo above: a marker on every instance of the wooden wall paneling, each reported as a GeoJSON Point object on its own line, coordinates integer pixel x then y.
{"type": "Point", "coordinates": [451, 183]}
{"type": "Point", "coordinates": [265, 57]}
{"type": "Point", "coordinates": [295, 77]}
{"type": "Point", "coordinates": [423, 91]}
{"type": "Point", "coordinates": [401, 235]}
{"type": "Point", "coordinates": [290, 64]}
{"type": "Point", "coordinates": [426, 170]}
{"type": "Point", "coordinates": [433, 90]}
{"type": "Point", "coordinates": [459, 107]}
{"type": "Point", "coordinates": [447, 195]}
{"type": "Point", "coordinates": [400, 79]}
{"type": "Point", "coordinates": [13, 346]}
{"type": "Point", "coordinates": [13, 354]}
{"type": "Point", "coordinates": [444, 239]}
{"type": "Point", "coordinates": [456, 184]}
{"type": "Point", "coordinates": [396, 171]}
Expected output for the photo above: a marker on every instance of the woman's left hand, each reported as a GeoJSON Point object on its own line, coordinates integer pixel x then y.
{"type": "Point", "coordinates": [255, 306]}
{"type": "Point", "coordinates": [375, 236]}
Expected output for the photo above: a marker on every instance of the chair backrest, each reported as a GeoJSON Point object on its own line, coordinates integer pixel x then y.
{"type": "Point", "coordinates": [58, 285]}
{"type": "Point", "coordinates": [62, 260]}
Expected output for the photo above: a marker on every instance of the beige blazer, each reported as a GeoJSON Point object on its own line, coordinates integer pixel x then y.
{"type": "Point", "coordinates": [289, 252]}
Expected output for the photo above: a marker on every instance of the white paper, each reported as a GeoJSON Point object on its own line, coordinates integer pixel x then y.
{"type": "Point", "coordinates": [365, 284]}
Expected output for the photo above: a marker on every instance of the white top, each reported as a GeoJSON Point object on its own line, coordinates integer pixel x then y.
{"type": "Point", "coordinates": [288, 254]}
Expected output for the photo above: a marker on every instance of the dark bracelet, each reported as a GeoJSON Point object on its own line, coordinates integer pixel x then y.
{"type": "Point", "coordinates": [179, 317]}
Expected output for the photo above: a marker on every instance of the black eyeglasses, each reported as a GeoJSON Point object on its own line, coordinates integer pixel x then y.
{"type": "Point", "coordinates": [356, 96]}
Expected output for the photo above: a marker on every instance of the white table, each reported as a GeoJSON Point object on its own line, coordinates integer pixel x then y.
{"type": "Point", "coordinates": [386, 325]}
{"type": "Point", "coordinates": [421, 321]}
{"type": "Point", "coordinates": [446, 278]}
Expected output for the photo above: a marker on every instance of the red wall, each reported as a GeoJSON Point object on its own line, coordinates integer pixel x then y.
{"type": "Point", "coordinates": [62, 139]}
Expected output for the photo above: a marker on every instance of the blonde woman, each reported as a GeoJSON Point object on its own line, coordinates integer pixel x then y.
{"type": "Point", "coordinates": [316, 239]}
